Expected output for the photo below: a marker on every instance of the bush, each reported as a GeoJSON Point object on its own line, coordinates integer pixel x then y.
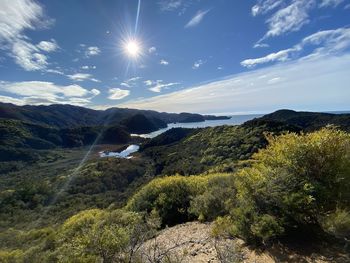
{"type": "Point", "coordinates": [338, 223]}
{"type": "Point", "coordinates": [95, 235]}
{"type": "Point", "coordinates": [295, 182]}
{"type": "Point", "coordinates": [216, 200]}
{"type": "Point", "coordinates": [169, 196]}
{"type": "Point", "coordinates": [178, 199]}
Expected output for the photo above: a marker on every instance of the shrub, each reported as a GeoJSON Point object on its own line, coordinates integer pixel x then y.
{"type": "Point", "coordinates": [296, 181]}
{"type": "Point", "coordinates": [338, 223]}
{"type": "Point", "coordinates": [216, 199]}
{"type": "Point", "coordinates": [169, 196]}
{"type": "Point", "coordinates": [95, 235]}
{"type": "Point", "coordinates": [178, 199]}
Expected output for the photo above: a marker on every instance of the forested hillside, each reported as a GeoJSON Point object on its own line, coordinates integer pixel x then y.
{"type": "Point", "coordinates": [268, 181]}
{"type": "Point", "coordinates": [68, 116]}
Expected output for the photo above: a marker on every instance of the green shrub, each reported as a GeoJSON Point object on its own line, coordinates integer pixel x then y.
{"type": "Point", "coordinates": [98, 235]}
{"type": "Point", "coordinates": [338, 223]}
{"type": "Point", "coordinates": [266, 227]}
{"type": "Point", "coordinates": [295, 182]}
{"type": "Point", "coordinates": [217, 198]}
{"type": "Point", "coordinates": [169, 196]}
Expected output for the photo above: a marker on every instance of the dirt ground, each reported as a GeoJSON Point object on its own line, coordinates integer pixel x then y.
{"type": "Point", "coordinates": [193, 243]}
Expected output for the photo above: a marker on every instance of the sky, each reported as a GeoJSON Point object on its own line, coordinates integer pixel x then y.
{"type": "Point", "coordinates": [204, 56]}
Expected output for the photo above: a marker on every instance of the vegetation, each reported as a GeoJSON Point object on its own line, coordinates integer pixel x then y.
{"type": "Point", "coordinates": [307, 121]}
{"type": "Point", "coordinates": [139, 124]}
{"type": "Point", "coordinates": [69, 116]}
{"type": "Point", "coordinates": [263, 181]}
{"type": "Point", "coordinates": [298, 182]}
{"type": "Point", "coordinates": [220, 148]}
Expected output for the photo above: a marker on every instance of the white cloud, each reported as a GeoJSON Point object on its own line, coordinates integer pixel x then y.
{"type": "Point", "coordinates": [330, 3]}
{"type": "Point", "coordinates": [82, 77]}
{"type": "Point", "coordinates": [55, 71]}
{"type": "Point", "coordinates": [19, 15]}
{"type": "Point", "coordinates": [163, 62]}
{"type": "Point", "coordinates": [118, 94]}
{"type": "Point", "coordinates": [95, 92]}
{"type": "Point", "coordinates": [133, 79]}
{"type": "Point", "coordinates": [132, 82]}
{"type": "Point", "coordinates": [90, 51]}
{"type": "Point", "coordinates": [28, 56]}
{"type": "Point", "coordinates": [124, 84]}
{"type": "Point", "coordinates": [198, 64]}
{"type": "Point", "coordinates": [274, 80]}
{"type": "Point", "coordinates": [151, 50]}
{"type": "Point", "coordinates": [170, 5]}
{"type": "Point", "coordinates": [86, 67]}
{"type": "Point", "coordinates": [175, 5]}
{"type": "Point", "coordinates": [159, 85]}
{"type": "Point", "coordinates": [7, 99]}
{"type": "Point", "coordinates": [282, 55]}
{"type": "Point", "coordinates": [290, 18]}
{"type": "Point", "coordinates": [261, 45]}
{"type": "Point", "coordinates": [16, 16]}
{"type": "Point", "coordinates": [196, 19]}
{"type": "Point", "coordinates": [42, 92]}
{"type": "Point", "coordinates": [324, 42]}
{"type": "Point", "coordinates": [48, 46]}
{"type": "Point", "coordinates": [148, 82]}
{"type": "Point", "coordinates": [264, 6]}
{"type": "Point", "coordinates": [313, 84]}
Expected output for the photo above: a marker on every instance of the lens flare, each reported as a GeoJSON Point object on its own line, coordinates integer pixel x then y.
{"type": "Point", "coordinates": [132, 48]}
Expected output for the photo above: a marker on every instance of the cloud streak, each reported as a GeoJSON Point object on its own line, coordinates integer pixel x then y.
{"type": "Point", "coordinates": [265, 89]}
{"type": "Point", "coordinates": [82, 77]}
{"type": "Point", "coordinates": [16, 16]}
{"type": "Point", "coordinates": [43, 92]}
{"type": "Point", "coordinates": [322, 43]}
{"type": "Point", "coordinates": [118, 94]}
{"type": "Point", "coordinates": [197, 19]}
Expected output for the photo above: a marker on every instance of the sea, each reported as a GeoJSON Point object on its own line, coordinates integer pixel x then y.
{"type": "Point", "coordinates": [234, 120]}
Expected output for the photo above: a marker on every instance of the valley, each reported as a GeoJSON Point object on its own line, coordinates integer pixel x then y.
{"type": "Point", "coordinates": [53, 182]}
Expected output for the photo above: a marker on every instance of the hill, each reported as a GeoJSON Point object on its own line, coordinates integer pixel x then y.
{"type": "Point", "coordinates": [307, 121]}
{"type": "Point", "coordinates": [255, 181]}
{"type": "Point", "coordinates": [68, 116]}
{"type": "Point", "coordinates": [140, 124]}
{"type": "Point", "coordinates": [22, 141]}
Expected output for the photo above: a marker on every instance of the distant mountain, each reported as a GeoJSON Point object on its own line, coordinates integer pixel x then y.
{"type": "Point", "coordinates": [139, 124]}
{"type": "Point", "coordinates": [307, 121]}
{"type": "Point", "coordinates": [68, 116]}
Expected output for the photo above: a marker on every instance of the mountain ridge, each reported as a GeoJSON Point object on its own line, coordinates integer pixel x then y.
{"type": "Point", "coordinates": [68, 116]}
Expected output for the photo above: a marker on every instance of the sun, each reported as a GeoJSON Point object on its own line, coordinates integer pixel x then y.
{"type": "Point", "coordinates": [132, 48]}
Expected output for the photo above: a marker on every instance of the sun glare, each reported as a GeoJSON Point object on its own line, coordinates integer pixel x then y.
{"type": "Point", "coordinates": [132, 48]}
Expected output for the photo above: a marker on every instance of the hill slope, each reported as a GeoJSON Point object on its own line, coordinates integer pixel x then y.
{"type": "Point", "coordinates": [68, 116]}
{"type": "Point", "coordinates": [308, 121]}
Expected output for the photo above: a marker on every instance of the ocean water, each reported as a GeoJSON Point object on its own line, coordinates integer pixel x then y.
{"type": "Point", "coordinates": [235, 120]}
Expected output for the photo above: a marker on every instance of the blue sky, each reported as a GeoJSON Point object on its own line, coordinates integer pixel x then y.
{"type": "Point", "coordinates": [203, 56]}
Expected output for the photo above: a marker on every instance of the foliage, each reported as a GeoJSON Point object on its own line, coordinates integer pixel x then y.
{"type": "Point", "coordinates": [178, 199]}
{"type": "Point", "coordinates": [300, 181]}
{"type": "Point", "coordinates": [294, 182]}
{"type": "Point", "coordinates": [204, 149]}
{"type": "Point", "coordinates": [169, 196]}
{"type": "Point", "coordinates": [216, 199]}
{"type": "Point", "coordinates": [307, 121]}
{"type": "Point", "coordinates": [337, 223]}
{"type": "Point", "coordinates": [26, 194]}
{"type": "Point", "coordinates": [140, 124]}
